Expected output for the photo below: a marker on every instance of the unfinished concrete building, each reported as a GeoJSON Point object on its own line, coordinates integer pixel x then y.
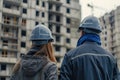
{"type": "Point", "coordinates": [111, 32]}
{"type": "Point", "coordinates": [19, 17]}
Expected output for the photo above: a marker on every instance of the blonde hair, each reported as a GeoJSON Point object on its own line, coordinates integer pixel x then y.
{"type": "Point", "coordinates": [46, 49]}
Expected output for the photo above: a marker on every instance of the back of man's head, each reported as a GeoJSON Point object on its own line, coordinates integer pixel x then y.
{"type": "Point", "coordinates": [90, 24]}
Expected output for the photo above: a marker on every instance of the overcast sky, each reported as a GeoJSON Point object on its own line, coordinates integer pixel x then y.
{"type": "Point", "coordinates": [104, 6]}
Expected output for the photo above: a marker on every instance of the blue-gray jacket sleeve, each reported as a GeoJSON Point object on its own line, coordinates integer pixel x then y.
{"type": "Point", "coordinates": [66, 71]}
{"type": "Point", "coordinates": [51, 73]}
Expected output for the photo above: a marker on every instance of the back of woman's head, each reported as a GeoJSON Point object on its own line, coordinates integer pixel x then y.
{"type": "Point", "coordinates": [46, 50]}
{"type": "Point", "coordinates": [41, 37]}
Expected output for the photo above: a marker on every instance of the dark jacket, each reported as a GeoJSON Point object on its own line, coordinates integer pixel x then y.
{"type": "Point", "coordinates": [35, 68]}
{"type": "Point", "coordinates": [88, 62]}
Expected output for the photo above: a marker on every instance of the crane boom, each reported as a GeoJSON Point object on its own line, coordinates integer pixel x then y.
{"type": "Point", "coordinates": [94, 6]}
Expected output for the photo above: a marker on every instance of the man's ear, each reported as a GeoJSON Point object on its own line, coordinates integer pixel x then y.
{"type": "Point", "coordinates": [82, 32]}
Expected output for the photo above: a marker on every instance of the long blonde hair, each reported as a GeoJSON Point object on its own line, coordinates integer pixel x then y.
{"type": "Point", "coordinates": [46, 49]}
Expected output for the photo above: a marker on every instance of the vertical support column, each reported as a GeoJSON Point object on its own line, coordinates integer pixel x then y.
{"type": "Point", "coordinates": [1, 6]}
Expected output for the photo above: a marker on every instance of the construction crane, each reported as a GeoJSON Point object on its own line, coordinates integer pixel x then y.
{"type": "Point", "coordinates": [94, 6]}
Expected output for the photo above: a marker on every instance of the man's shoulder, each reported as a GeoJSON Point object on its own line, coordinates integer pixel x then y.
{"type": "Point", "coordinates": [85, 49]}
{"type": "Point", "coordinates": [78, 49]}
{"type": "Point", "coordinates": [73, 52]}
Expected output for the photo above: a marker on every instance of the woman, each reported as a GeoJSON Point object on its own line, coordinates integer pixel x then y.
{"type": "Point", "coordinates": [39, 62]}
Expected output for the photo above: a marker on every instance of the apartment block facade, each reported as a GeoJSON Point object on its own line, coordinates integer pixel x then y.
{"type": "Point", "coordinates": [19, 17]}
{"type": "Point", "coordinates": [111, 32]}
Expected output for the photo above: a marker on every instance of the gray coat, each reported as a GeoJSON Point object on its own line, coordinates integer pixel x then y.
{"type": "Point", "coordinates": [35, 68]}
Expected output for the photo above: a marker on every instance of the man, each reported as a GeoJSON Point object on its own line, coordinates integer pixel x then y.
{"type": "Point", "coordinates": [89, 61]}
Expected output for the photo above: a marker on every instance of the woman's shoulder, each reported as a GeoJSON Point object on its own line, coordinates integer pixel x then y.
{"type": "Point", "coordinates": [50, 65]}
{"type": "Point", "coordinates": [51, 72]}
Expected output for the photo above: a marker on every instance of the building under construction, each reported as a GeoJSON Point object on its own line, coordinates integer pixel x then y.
{"type": "Point", "coordinates": [19, 17]}
{"type": "Point", "coordinates": [111, 32]}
